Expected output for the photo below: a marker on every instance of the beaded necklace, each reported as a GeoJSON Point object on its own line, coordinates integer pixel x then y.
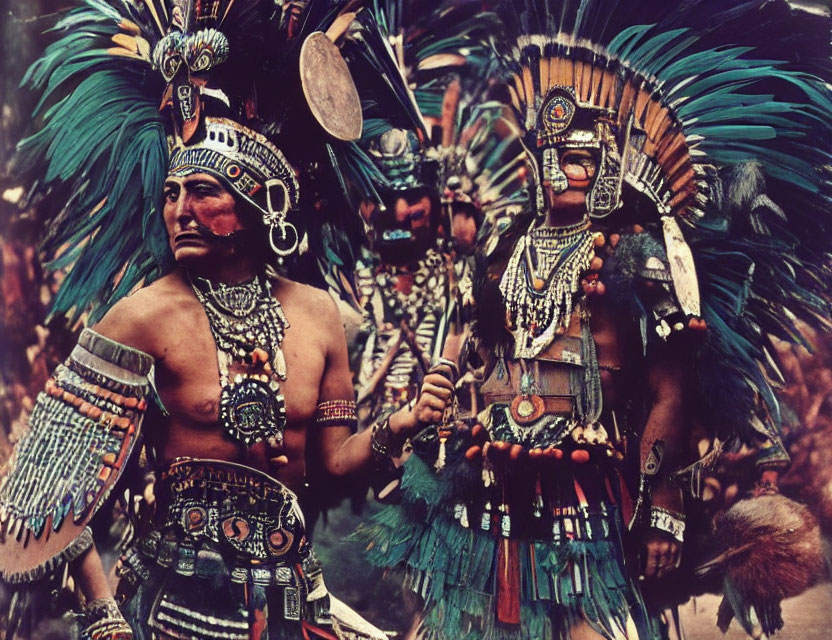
{"type": "Point", "coordinates": [248, 325]}
{"type": "Point", "coordinates": [540, 282]}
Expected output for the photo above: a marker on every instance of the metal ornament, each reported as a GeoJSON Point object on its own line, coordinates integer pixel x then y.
{"type": "Point", "coordinates": [199, 51]}
{"type": "Point", "coordinates": [682, 267]}
{"type": "Point", "coordinates": [249, 410]}
{"type": "Point", "coordinates": [286, 241]}
{"type": "Point", "coordinates": [329, 88]}
{"type": "Point", "coordinates": [287, 238]}
{"type": "Point", "coordinates": [556, 116]}
{"type": "Point", "coordinates": [246, 161]}
{"type": "Point", "coordinates": [526, 409]}
{"type": "Point", "coordinates": [248, 325]}
{"type": "Point", "coordinates": [605, 196]}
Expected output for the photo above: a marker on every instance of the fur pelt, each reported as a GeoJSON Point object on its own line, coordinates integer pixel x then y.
{"type": "Point", "coordinates": [784, 554]}
{"type": "Point", "coordinates": [771, 550]}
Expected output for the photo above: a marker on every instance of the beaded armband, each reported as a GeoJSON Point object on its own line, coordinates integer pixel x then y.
{"type": "Point", "coordinates": [668, 521]}
{"type": "Point", "coordinates": [336, 413]}
{"type": "Point", "coordinates": [81, 432]}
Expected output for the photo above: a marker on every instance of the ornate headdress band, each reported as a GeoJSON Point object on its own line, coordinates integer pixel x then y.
{"type": "Point", "coordinates": [243, 159]}
{"type": "Point", "coordinates": [252, 167]}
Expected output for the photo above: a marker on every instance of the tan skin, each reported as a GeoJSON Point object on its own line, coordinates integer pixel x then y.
{"type": "Point", "coordinates": [166, 320]}
{"type": "Point", "coordinates": [661, 551]}
{"type": "Point", "coordinates": [464, 232]}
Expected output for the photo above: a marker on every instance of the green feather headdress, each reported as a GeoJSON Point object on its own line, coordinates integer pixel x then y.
{"type": "Point", "coordinates": [114, 84]}
{"type": "Point", "coordinates": [723, 117]}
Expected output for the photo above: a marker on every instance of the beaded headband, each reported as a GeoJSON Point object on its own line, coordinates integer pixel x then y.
{"type": "Point", "coordinates": [252, 167]}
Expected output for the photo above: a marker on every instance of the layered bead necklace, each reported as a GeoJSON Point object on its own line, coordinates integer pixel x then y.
{"type": "Point", "coordinates": [248, 325]}
{"type": "Point", "coordinates": [540, 282]}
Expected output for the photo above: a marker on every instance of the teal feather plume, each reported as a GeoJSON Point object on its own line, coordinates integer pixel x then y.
{"type": "Point", "coordinates": [102, 144]}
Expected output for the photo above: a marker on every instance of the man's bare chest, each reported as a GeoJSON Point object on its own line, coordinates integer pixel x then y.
{"type": "Point", "coordinates": [190, 384]}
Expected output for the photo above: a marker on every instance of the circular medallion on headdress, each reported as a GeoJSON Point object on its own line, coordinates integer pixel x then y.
{"type": "Point", "coordinates": [399, 157]}
{"type": "Point", "coordinates": [556, 116]}
{"type": "Point", "coordinates": [329, 88]}
{"type": "Point", "coordinates": [279, 541]}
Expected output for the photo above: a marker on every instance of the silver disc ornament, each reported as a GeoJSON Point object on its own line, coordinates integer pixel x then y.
{"type": "Point", "coordinates": [251, 411]}
{"type": "Point", "coordinates": [329, 88]}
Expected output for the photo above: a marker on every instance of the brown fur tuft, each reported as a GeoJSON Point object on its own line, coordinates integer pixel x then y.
{"type": "Point", "coordinates": [785, 556]}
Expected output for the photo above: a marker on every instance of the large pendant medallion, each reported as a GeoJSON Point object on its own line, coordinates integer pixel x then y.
{"type": "Point", "coordinates": [251, 411]}
{"type": "Point", "coordinates": [526, 409]}
{"type": "Point", "coordinates": [248, 326]}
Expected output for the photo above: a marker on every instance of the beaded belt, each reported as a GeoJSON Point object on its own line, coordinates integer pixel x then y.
{"type": "Point", "coordinates": [250, 515]}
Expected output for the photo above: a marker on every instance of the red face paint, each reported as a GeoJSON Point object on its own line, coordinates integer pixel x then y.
{"type": "Point", "coordinates": [198, 211]}
{"type": "Point", "coordinates": [219, 222]}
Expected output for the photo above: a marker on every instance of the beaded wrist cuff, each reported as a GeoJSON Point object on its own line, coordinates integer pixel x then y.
{"type": "Point", "coordinates": [668, 521]}
{"type": "Point", "coordinates": [384, 444]}
{"type": "Point", "coordinates": [103, 620]}
{"type": "Point", "coordinates": [336, 413]}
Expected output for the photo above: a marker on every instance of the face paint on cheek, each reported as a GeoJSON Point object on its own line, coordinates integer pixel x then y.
{"type": "Point", "coordinates": [219, 223]}
{"type": "Point", "coordinates": [232, 240]}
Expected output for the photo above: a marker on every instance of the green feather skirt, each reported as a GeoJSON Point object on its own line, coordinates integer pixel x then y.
{"type": "Point", "coordinates": [487, 571]}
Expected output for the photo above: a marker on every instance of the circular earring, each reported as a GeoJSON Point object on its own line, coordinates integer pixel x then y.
{"type": "Point", "coordinates": [283, 238]}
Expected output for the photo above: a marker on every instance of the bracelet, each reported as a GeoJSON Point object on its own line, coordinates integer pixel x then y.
{"type": "Point", "coordinates": [384, 444]}
{"type": "Point", "coordinates": [668, 521]}
{"type": "Point", "coordinates": [79, 546]}
{"type": "Point", "coordinates": [103, 620]}
{"type": "Point", "coordinates": [448, 363]}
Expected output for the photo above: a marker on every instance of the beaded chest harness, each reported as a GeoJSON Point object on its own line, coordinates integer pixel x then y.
{"type": "Point", "coordinates": [248, 325]}
{"type": "Point", "coordinates": [420, 310]}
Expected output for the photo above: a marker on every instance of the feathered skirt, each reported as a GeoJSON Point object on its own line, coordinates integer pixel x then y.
{"type": "Point", "coordinates": [517, 553]}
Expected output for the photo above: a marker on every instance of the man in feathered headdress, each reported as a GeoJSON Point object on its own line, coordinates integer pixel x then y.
{"type": "Point", "coordinates": [243, 371]}
{"type": "Point", "coordinates": [427, 164]}
{"type": "Point", "coordinates": [633, 300]}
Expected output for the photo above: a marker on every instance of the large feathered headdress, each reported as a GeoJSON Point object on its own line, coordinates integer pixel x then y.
{"type": "Point", "coordinates": [122, 80]}
{"type": "Point", "coordinates": [421, 70]}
